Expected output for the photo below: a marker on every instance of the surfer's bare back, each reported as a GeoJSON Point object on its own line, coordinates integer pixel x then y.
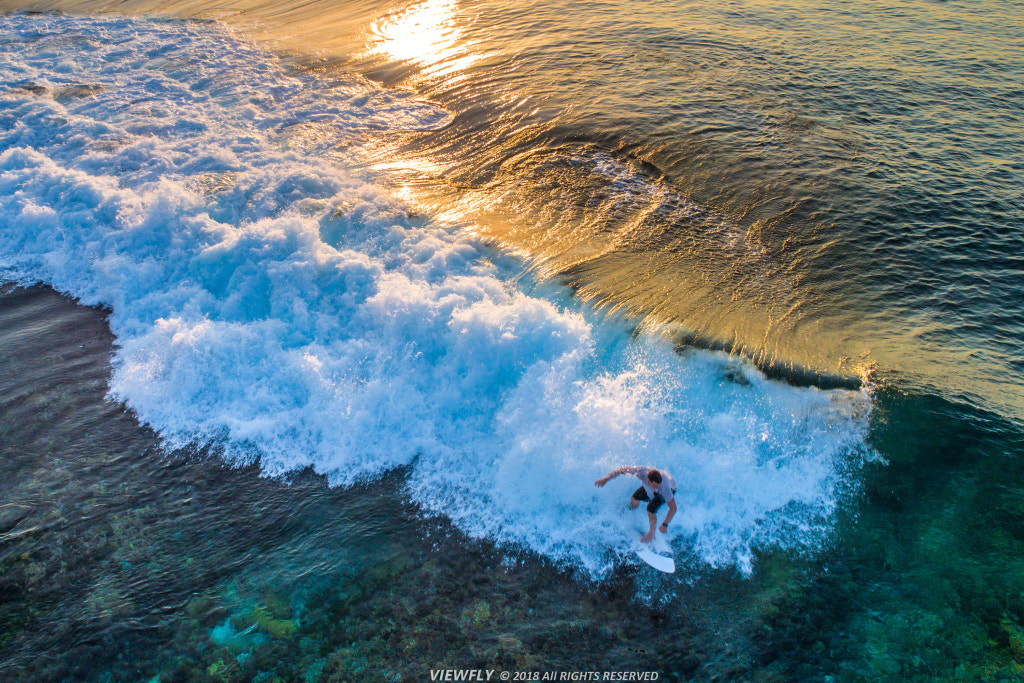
{"type": "Point", "coordinates": [657, 488]}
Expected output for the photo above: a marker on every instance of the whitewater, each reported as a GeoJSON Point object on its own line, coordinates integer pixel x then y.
{"type": "Point", "coordinates": [274, 298]}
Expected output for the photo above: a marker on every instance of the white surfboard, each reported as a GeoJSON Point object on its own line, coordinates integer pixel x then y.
{"type": "Point", "coordinates": [663, 563]}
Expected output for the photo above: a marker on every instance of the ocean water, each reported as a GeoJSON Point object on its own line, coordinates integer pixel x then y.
{"type": "Point", "coordinates": [367, 296]}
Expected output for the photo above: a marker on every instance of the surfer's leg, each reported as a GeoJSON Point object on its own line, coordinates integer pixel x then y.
{"type": "Point", "coordinates": [638, 495]}
{"type": "Point", "coordinates": [652, 515]}
{"type": "Point", "coordinates": [653, 519]}
{"type": "Point", "coordinates": [655, 504]}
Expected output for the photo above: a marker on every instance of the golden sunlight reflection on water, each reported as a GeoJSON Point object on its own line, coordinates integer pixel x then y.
{"type": "Point", "coordinates": [429, 34]}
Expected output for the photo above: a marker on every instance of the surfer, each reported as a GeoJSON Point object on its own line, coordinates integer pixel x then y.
{"type": "Point", "coordinates": [657, 488]}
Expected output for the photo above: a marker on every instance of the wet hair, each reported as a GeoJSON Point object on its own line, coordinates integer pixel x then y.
{"type": "Point", "coordinates": [655, 476]}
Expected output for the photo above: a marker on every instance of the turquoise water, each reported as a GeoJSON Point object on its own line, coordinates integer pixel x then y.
{"type": "Point", "coordinates": [368, 322]}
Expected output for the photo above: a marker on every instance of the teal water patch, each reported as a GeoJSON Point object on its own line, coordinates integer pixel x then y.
{"type": "Point", "coordinates": [224, 635]}
{"type": "Point", "coordinates": [924, 579]}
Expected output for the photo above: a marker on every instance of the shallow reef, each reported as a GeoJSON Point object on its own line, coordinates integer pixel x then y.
{"type": "Point", "coordinates": [120, 561]}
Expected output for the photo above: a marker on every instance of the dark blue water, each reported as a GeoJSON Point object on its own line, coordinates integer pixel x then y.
{"type": "Point", "coordinates": [831, 187]}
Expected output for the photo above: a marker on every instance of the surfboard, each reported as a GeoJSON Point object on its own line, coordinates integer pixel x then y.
{"type": "Point", "coordinates": [662, 563]}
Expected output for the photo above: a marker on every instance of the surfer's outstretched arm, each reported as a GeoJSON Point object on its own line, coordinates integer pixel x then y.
{"type": "Point", "coordinates": [611, 475]}
{"type": "Point", "coordinates": [669, 516]}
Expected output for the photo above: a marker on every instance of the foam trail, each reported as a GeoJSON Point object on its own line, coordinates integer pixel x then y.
{"type": "Point", "coordinates": [269, 301]}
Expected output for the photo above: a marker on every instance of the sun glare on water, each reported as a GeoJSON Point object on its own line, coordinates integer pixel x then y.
{"type": "Point", "coordinates": [418, 32]}
{"type": "Point", "coordinates": [426, 33]}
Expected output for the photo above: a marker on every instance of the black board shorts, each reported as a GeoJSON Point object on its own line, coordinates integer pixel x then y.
{"type": "Point", "coordinates": [653, 505]}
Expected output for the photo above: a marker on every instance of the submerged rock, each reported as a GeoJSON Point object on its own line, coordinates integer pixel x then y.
{"type": "Point", "coordinates": [476, 615]}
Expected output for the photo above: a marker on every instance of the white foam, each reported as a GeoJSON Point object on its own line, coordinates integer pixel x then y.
{"type": "Point", "coordinates": [269, 301]}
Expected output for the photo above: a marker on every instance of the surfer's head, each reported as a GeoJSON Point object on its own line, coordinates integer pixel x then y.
{"type": "Point", "coordinates": [654, 476]}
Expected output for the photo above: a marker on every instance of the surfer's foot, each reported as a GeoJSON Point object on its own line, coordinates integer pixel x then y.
{"type": "Point", "coordinates": [648, 538]}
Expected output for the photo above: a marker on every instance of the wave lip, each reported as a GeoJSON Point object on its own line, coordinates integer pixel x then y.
{"type": "Point", "coordinates": [288, 310]}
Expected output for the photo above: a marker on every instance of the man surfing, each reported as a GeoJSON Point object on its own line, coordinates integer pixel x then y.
{"type": "Point", "coordinates": [657, 488]}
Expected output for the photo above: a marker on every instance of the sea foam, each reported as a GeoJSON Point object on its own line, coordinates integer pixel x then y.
{"type": "Point", "coordinates": [269, 298]}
